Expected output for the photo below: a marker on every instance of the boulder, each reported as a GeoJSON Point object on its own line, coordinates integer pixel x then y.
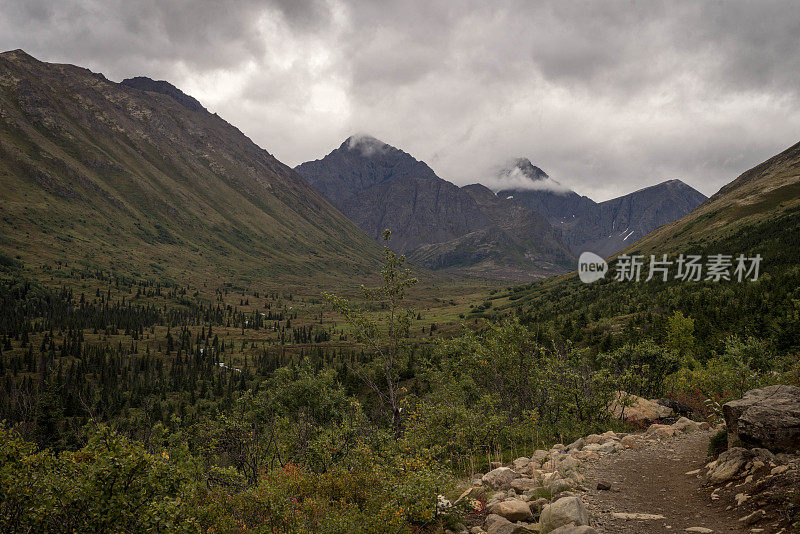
{"type": "Point", "coordinates": [491, 518]}
{"type": "Point", "coordinates": [539, 455]}
{"type": "Point", "coordinates": [513, 510]}
{"type": "Point", "coordinates": [768, 417]}
{"type": "Point", "coordinates": [521, 463]}
{"type": "Point", "coordinates": [639, 410]}
{"type": "Point", "coordinates": [567, 464]}
{"type": "Point", "coordinates": [609, 446]}
{"type": "Point", "coordinates": [558, 485]}
{"type": "Point", "coordinates": [593, 438]}
{"type": "Point", "coordinates": [659, 431]}
{"type": "Point", "coordinates": [502, 525]}
{"type": "Point", "coordinates": [524, 484]}
{"type": "Point", "coordinates": [500, 477]}
{"type": "Point", "coordinates": [576, 445]}
{"type": "Point", "coordinates": [564, 511]}
{"type": "Point", "coordinates": [585, 455]}
{"type": "Point", "coordinates": [686, 425]}
{"type": "Point", "coordinates": [678, 407]}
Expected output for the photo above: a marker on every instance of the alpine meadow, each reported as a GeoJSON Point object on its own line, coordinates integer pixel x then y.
{"type": "Point", "coordinates": [569, 304]}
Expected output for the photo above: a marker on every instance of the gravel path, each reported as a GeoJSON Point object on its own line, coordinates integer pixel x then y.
{"type": "Point", "coordinates": [653, 480]}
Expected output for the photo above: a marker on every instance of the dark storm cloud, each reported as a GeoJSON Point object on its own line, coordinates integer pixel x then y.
{"type": "Point", "coordinates": [605, 96]}
{"type": "Point", "coordinates": [202, 34]}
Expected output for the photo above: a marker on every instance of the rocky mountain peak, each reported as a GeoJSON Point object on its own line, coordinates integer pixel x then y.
{"type": "Point", "coordinates": [527, 168]}
{"type": "Point", "coordinates": [144, 83]}
{"type": "Point", "coordinates": [367, 144]}
{"type": "Point", "coordinates": [17, 55]}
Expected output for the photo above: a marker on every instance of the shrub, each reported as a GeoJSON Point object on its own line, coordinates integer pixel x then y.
{"type": "Point", "coordinates": [112, 484]}
{"type": "Point", "coordinates": [718, 443]}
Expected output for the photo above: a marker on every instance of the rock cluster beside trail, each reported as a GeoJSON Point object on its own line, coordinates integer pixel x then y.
{"type": "Point", "coordinates": [543, 493]}
{"type": "Point", "coordinates": [758, 484]}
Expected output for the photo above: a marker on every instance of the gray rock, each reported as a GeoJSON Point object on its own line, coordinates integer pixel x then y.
{"type": "Point", "coordinates": [558, 485]}
{"type": "Point", "coordinates": [608, 446]}
{"type": "Point", "coordinates": [686, 425]}
{"type": "Point", "coordinates": [504, 526]}
{"type": "Point", "coordinates": [564, 511]}
{"type": "Point", "coordinates": [539, 455]}
{"type": "Point", "coordinates": [513, 510]}
{"type": "Point", "coordinates": [576, 445]}
{"type": "Point", "coordinates": [732, 462]}
{"type": "Point", "coordinates": [768, 417]}
{"type": "Point", "coordinates": [637, 409]}
{"type": "Point", "coordinates": [500, 477]}
{"type": "Point", "coordinates": [593, 439]}
{"type": "Point", "coordinates": [491, 518]}
{"type": "Point", "coordinates": [568, 463]}
{"type": "Point", "coordinates": [524, 484]}
{"type": "Point", "coordinates": [521, 462]}
{"type": "Point", "coordinates": [678, 407]}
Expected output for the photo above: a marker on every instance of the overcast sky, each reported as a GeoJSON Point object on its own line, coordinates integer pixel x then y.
{"type": "Point", "coordinates": [606, 97]}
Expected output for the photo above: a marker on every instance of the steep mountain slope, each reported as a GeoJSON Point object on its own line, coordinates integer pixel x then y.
{"type": "Point", "coordinates": [432, 221]}
{"type": "Point", "coordinates": [378, 186]}
{"type": "Point", "coordinates": [765, 193]}
{"type": "Point", "coordinates": [610, 226]}
{"type": "Point", "coordinates": [138, 178]}
{"type": "Point", "coordinates": [606, 227]}
{"type": "Point", "coordinates": [361, 162]}
{"type": "Point", "coordinates": [527, 228]}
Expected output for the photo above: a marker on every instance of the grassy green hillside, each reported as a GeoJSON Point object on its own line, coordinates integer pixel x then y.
{"type": "Point", "coordinates": [761, 197]}
{"type": "Point", "coordinates": [101, 177]}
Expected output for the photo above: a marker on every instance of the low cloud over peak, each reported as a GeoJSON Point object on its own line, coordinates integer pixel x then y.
{"type": "Point", "coordinates": [520, 174]}
{"type": "Point", "coordinates": [366, 144]}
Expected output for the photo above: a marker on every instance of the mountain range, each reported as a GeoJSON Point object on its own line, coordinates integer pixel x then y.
{"type": "Point", "coordinates": [601, 227]}
{"type": "Point", "coordinates": [433, 221]}
{"type": "Point", "coordinates": [514, 233]}
{"type": "Point", "coordinates": [139, 179]}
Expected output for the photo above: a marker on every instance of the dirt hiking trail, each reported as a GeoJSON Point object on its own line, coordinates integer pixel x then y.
{"type": "Point", "coordinates": [653, 480]}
